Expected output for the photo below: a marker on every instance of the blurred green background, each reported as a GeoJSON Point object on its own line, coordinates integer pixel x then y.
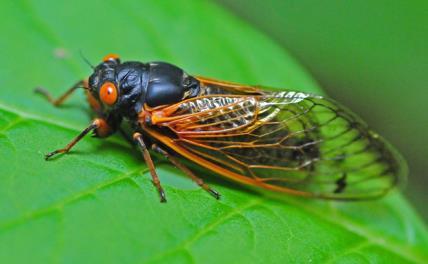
{"type": "Point", "coordinates": [370, 55]}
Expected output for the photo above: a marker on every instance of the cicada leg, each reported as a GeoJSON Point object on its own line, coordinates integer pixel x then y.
{"type": "Point", "coordinates": [187, 171]}
{"type": "Point", "coordinates": [62, 98]}
{"type": "Point", "coordinates": [138, 138]}
{"type": "Point", "coordinates": [97, 125]}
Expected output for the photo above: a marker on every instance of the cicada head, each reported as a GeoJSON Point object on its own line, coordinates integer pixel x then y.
{"type": "Point", "coordinates": [119, 87]}
{"type": "Point", "coordinates": [123, 89]}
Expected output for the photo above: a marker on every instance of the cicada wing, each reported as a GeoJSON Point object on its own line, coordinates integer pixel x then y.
{"type": "Point", "coordinates": [212, 86]}
{"type": "Point", "coordinates": [285, 141]}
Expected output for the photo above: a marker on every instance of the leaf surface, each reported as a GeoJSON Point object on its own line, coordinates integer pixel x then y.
{"type": "Point", "coordinates": [97, 204]}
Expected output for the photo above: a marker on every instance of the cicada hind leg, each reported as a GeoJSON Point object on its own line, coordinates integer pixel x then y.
{"type": "Point", "coordinates": [138, 138]}
{"type": "Point", "coordinates": [187, 171]}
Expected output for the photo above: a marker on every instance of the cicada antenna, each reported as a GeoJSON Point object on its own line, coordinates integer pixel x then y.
{"type": "Point", "coordinates": [86, 60]}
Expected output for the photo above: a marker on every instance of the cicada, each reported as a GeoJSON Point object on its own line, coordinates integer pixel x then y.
{"type": "Point", "coordinates": [284, 141]}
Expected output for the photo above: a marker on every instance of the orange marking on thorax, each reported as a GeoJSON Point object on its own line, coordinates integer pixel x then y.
{"type": "Point", "coordinates": [159, 114]}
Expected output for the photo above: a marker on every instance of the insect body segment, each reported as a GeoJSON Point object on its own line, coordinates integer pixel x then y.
{"type": "Point", "coordinates": [287, 141]}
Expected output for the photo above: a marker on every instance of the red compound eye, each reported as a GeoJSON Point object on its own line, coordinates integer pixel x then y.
{"type": "Point", "coordinates": [108, 93]}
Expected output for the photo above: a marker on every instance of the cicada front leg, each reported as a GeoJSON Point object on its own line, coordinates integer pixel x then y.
{"type": "Point", "coordinates": [62, 98]}
{"type": "Point", "coordinates": [98, 126]}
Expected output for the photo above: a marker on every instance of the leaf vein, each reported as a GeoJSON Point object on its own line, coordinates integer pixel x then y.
{"type": "Point", "coordinates": [62, 203]}
{"type": "Point", "coordinates": [184, 245]}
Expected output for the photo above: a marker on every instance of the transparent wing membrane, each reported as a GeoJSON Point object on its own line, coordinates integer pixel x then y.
{"type": "Point", "coordinates": [286, 140]}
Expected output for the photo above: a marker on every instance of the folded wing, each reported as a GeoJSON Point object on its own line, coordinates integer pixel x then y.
{"type": "Point", "coordinates": [284, 141]}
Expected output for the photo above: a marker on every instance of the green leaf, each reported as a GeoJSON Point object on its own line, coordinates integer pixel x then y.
{"type": "Point", "coordinates": [97, 204]}
{"type": "Point", "coordinates": [359, 55]}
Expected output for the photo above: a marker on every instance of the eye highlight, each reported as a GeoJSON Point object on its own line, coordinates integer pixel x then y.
{"type": "Point", "coordinates": [108, 93]}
